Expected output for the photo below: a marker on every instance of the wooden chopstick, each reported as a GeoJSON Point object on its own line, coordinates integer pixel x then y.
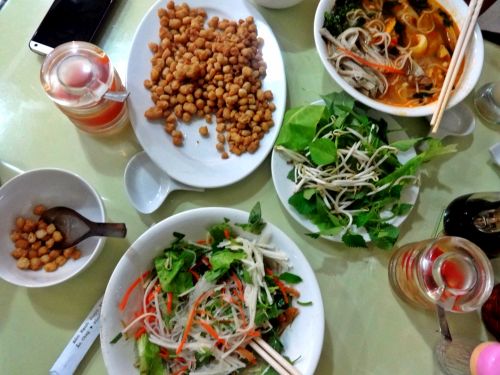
{"type": "Point", "coordinates": [456, 61]}
{"type": "Point", "coordinates": [273, 358]}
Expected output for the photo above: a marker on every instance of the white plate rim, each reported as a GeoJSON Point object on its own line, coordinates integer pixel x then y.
{"type": "Point", "coordinates": [311, 316]}
{"type": "Point", "coordinates": [197, 163]}
{"type": "Point", "coordinates": [283, 186]}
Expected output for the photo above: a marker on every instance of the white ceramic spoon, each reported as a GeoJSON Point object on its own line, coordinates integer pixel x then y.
{"type": "Point", "coordinates": [148, 185]}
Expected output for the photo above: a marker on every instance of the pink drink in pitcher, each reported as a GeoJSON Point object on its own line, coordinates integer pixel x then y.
{"type": "Point", "coordinates": [449, 271]}
{"type": "Point", "coordinates": [76, 75]}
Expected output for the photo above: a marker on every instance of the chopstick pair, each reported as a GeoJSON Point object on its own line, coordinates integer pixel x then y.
{"type": "Point", "coordinates": [456, 61]}
{"type": "Point", "coordinates": [273, 358]}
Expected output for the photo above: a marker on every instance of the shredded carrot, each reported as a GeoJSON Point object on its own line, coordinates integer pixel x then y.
{"type": "Point", "coordinates": [153, 293]}
{"type": "Point", "coordinates": [282, 288]}
{"type": "Point", "coordinates": [239, 285]}
{"type": "Point", "coordinates": [195, 274]}
{"type": "Point", "coordinates": [203, 312]}
{"type": "Point", "coordinates": [139, 332]}
{"type": "Point", "coordinates": [211, 331]}
{"type": "Point", "coordinates": [292, 291]}
{"type": "Point", "coordinates": [130, 289]}
{"type": "Point", "coordinates": [189, 322]}
{"type": "Point", "coordinates": [279, 284]}
{"type": "Point", "coordinates": [247, 354]}
{"type": "Point", "coordinates": [227, 233]}
{"type": "Point", "coordinates": [164, 353]}
{"type": "Point", "coordinates": [201, 242]}
{"type": "Point", "coordinates": [170, 298]}
{"type": "Point", "coordinates": [253, 333]}
{"type": "Point", "coordinates": [361, 60]}
{"type": "Point", "coordinates": [151, 318]}
{"type": "Point", "coordinates": [239, 305]}
{"type": "Point", "coordinates": [180, 371]}
{"type": "Point", "coordinates": [288, 316]}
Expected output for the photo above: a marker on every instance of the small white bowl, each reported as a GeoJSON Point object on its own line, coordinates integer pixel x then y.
{"type": "Point", "coordinates": [50, 187]}
{"type": "Point", "coordinates": [474, 57]}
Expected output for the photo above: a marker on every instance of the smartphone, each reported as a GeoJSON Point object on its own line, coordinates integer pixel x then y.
{"type": "Point", "coordinates": [69, 20]}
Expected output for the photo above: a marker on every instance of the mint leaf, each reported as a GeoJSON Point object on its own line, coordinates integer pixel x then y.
{"type": "Point", "coordinates": [353, 240]}
{"type": "Point", "coordinates": [255, 223]}
{"type": "Point", "coordinates": [384, 236]}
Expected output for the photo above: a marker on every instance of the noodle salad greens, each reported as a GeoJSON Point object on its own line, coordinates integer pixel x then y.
{"type": "Point", "coordinates": [347, 175]}
{"type": "Point", "coordinates": [205, 300]}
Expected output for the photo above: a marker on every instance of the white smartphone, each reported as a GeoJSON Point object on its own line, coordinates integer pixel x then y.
{"type": "Point", "coordinates": [69, 20]}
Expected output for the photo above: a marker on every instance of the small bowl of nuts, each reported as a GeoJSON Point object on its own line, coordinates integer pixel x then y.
{"type": "Point", "coordinates": [29, 255]}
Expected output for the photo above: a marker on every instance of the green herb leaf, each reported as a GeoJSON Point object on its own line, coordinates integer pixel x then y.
{"type": "Point", "coordinates": [171, 269]}
{"type": "Point", "coordinates": [401, 209]}
{"type": "Point", "coordinates": [221, 262]}
{"type": "Point", "coordinates": [218, 233]}
{"type": "Point", "coordinates": [384, 236]}
{"type": "Point", "coordinates": [406, 144]}
{"type": "Point", "coordinates": [333, 231]}
{"type": "Point", "coordinates": [339, 103]}
{"type": "Point", "coordinates": [307, 303]}
{"type": "Point", "coordinates": [301, 204]}
{"type": "Point", "coordinates": [116, 338]}
{"type": "Point", "coordinates": [149, 360]}
{"type": "Point", "coordinates": [323, 151]}
{"type": "Point", "coordinates": [299, 127]}
{"type": "Point", "coordinates": [290, 278]}
{"type": "Point", "coordinates": [353, 240]}
{"type": "Point", "coordinates": [255, 223]}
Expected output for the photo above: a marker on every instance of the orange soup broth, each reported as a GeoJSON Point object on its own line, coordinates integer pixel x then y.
{"type": "Point", "coordinates": [433, 61]}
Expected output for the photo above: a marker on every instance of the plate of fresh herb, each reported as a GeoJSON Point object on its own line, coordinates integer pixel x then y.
{"type": "Point", "coordinates": [348, 174]}
{"type": "Point", "coordinates": [194, 291]}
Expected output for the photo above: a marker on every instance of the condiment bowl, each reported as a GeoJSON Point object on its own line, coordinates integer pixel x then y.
{"type": "Point", "coordinates": [473, 63]}
{"type": "Point", "coordinates": [50, 187]}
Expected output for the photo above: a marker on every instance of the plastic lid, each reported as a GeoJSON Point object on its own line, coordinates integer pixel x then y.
{"type": "Point", "coordinates": [76, 74]}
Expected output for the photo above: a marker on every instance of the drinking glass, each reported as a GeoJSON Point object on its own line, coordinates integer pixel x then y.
{"type": "Point", "coordinates": [449, 271]}
{"type": "Point", "coordinates": [487, 102]}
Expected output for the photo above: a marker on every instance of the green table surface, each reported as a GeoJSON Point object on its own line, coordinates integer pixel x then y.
{"type": "Point", "coordinates": [367, 330]}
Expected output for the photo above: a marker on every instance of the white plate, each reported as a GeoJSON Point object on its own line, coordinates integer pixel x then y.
{"type": "Point", "coordinates": [50, 187]}
{"type": "Point", "coordinates": [286, 188]}
{"type": "Point", "coordinates": [303, 339]}
{"type": "Point", "coordinates": [198, 163]}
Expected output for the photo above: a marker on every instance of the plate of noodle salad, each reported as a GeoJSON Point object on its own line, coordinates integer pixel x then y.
{"type": "Point", "coordinates": [346, 173]}
{"type": "Point", "coordinates": [195, 290]}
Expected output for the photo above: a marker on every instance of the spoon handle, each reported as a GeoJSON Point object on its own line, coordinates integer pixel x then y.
{"type": "Point", "coordinates": [109, 229]}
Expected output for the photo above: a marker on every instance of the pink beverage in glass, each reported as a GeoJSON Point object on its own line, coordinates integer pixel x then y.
{"type": "Point", "coordinates": [449, 271]}
{"type": "Point", "coordinates": [76, 75]}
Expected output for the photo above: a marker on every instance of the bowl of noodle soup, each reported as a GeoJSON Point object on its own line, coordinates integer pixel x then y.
{"type": "Point", "coordinates": [393, 55]}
